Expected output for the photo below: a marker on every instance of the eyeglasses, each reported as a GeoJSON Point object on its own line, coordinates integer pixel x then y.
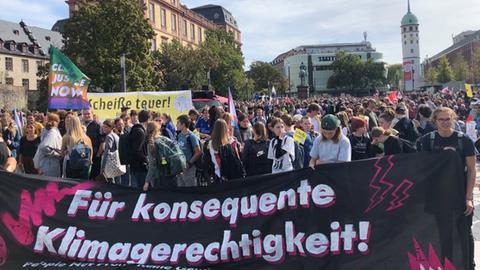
{"type": "Point", "coordinates": [444, 119]}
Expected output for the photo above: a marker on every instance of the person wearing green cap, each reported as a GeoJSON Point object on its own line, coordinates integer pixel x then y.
{"type": "Point", "coordinates": [331, 146]}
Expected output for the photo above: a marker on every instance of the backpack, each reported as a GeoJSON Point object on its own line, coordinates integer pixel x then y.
{"type": "Point", "coordinates": [299, 155]}
{"type": "Point", "coordinates": [408, 146]}
{"type": "Point", "coordinates": [459, 136]}
{"type": "Point", "coordinates": [124, 150]}
{"type": "Point", "coordinates": [170, 158]}
{"type": "Point", "coordinates": [79, 157]}
{"type": "Point", "coordinates": [232, 166]}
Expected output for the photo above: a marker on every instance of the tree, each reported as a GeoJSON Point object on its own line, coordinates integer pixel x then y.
{"type": "Point", "coordinates": [431, 75]}
{"type": "Point", "coordinates": [42, 102]}
{"type": "Point", "coordinates": [351, 73]}
{"type": "Point", "coordinates": [475, 69]}
{"type": "Point", "coordinates": [225, 62]}
{"type": "Point", "coordinates": [395, 74]}
{"type": "Point", "coordinates": [444, 71]}
{"type": "Point", "coordinates": [265, 75]}
{"type": "Point", "coordinates": [181, 67]}
{"type": "Point", "coordinates": [97, 35]}
{"type": "Point", "coordinates": [460, 68]}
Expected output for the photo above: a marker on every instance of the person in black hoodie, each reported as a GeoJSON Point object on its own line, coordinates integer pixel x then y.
{"type": "Point", "coordinates": [360, 142]}
{"type": "Point", "coordinates": [405, 127]}
{"type": "Point", "coordinates": [138, 150]}
{"type": "Point", "coordinates": [94, 133]}
{"type": "Point", "coordinates": [384, 142]}
{"type": "Point", "coordinates": [423, 123]}
{"type": "Point", "coordinates": [254, 155]}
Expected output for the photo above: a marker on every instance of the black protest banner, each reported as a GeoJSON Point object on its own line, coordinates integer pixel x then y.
{"type": "Point", "coordinates": [399, 212]}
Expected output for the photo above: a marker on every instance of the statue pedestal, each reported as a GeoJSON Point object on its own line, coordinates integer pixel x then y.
{"type": "Point", "coordinates": [303, 91]}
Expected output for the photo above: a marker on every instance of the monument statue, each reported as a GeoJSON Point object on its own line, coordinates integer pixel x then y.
{"type": "Point", "coordinates": [303, 74]}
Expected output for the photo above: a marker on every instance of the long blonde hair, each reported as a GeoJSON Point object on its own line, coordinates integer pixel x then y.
{"type": "Point", "coordinates": [10, 125]}
{"type": "Point", "coordinates": [75, 132]}
{"type": "Point", "coordinates": [219, 134]}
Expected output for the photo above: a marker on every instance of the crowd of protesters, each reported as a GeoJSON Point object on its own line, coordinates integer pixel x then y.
{"type": "Point", "coordinates": [148, 150]}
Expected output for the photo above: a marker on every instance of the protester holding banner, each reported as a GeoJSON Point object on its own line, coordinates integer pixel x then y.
{"type": "Point", "coordinates": [10, 133]}
{"type": "Point", "coordinates": [446, 138]}
{"type": "Point", "coordinates": [47, 158]}
{"type": "Point", "coordinates": [281, 149]}
{"type": "Point", "coordinates": [384, 143]}
{"type": "Point", "coordinates": [7, 162]}
{"type": "Point", "coordinates": [190, 145]}
{"type": "Point", "coordinates": [138, 150]}
{"type": "Point", "coordinates": [77, 150]}
{"type": "Point", "coordinates": [359, 140]}
{"type": "Point", "coordinates": [96, 138]}
{"type": "Point", "coordinates": [111, 147]}
{"type": "Point", "coordinates": [222, 155]}
{"type": "Point", "coordinates": [28, 147]}
{"type": "Point", "coordinates": [254, 154]}
{"type": "Point", "coordinates": [331, 146]}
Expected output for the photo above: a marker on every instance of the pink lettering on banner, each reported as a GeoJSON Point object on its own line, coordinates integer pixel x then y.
{"type": "Point", "coordinates": [31, 210]}
{"type": "Point", "coordinates": [3, 251]}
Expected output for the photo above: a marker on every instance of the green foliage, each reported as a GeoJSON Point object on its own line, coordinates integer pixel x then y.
{"type": "Point", "coordinates": [97, 35]}
{"type": "Point", "coordinates": [350, 73]}
{"type": "Point", "coordinates": [445, 73]}
{"type": "Point", "coordinates": [225, 61]}
{"type": "Point", "coordinates": [42, 103]}
{"type": "Point", "coordinates": [265, 75]}
{"type": "Point", "coordinates": [180, 67]}
{"type": "Point", "coordinates": [395, 74]}
{"type": "Point", "coordinates": [461, 71]}
{"type": "Point", "coordinates": [431, 75]}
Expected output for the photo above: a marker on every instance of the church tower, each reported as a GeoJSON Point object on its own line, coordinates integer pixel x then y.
{"type": "Point", "coordinates": [411, 51]}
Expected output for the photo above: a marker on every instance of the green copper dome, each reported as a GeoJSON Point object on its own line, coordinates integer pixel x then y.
{"type": "Point", "coordinates": [409, 18]}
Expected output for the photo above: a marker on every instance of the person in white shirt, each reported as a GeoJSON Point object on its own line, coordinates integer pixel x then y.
{"type": "Point", "coordinates": [314, 112]}
{"type": "Point", "coordinates": [331, 146]}
{"type": "Point", "coordinates": [281, 149]}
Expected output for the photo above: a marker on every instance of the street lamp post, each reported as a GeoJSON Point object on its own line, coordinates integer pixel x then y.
{"type": "Point", "coordinates": [413, 79]}
{"type": "Point", "coordinates": [123, 70]}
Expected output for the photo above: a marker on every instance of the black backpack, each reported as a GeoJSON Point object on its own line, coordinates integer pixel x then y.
{"type": "Point", "coordinates": [79, 157]}
{"type": "Point", "coordinates": [408, 146]}
{"type": "Point", "coordinates": [299, 155]}
{"type": "Point", "coordinates": [124, 150]}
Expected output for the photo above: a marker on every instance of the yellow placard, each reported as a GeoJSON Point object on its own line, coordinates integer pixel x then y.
{"type": "Point", "coordinates": [109, 105]}
{"type": "Point", "coordinates": [468, 89]}
{"type": "Point", "coordinates": [299, 136]}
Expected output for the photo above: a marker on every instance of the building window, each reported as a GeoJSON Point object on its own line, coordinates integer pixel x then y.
{"type": "Point", "coordinates": [26, 84]}
{"type": "Point", "coordinates": [24, 65]}
{"type": "Point", "coordinates": [185, 28]}
{"type": "Point", "coordinates": [405, 42]}
{"type": "Point", "coordinates": [163, 18]}
{"type": "Point", "coordinates": [417, 41]}
{"type": "Point", "coordinates": [413, 62]}
{"type": "Point", "coordinates": [200, 38]}
{"type": "Point", "coordinates": [410, 28]}
{"type": "Point", "coordinates": [404, 36]}
{"type": "Point", "coordinates": [416, 28]}
{"type": "Point", "coordinates": [48, 38]}
{"type": "Point", "coordinates": [9, 63]}
{"type": "Point", "coordinates": [174, 23]}
{"type": "Point", "coordinates": [154, 45]}
{"type": "Point", "coordinates": [9, 81]}
{"type": "Point", "coordinates": [151, 12]}
{"type": "Point", "coordinates": [404, 29]}
{"type": "Point", "coordinates": [411, 50]}
{"type": "Point", "coordinates": [39, 65]}
{"type": "Point", "coordinates": [174, 2]}
{"type": "Point", "coordinates": [411, 41]}
{"type": "Point", "coordinates": [192, 28]}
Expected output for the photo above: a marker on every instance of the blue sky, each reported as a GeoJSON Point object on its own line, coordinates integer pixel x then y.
{"type": "Point", "coordinates": [270, 27]}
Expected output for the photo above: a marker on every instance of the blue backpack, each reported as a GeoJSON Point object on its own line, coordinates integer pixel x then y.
{"type": "Point", "coordinates": [80, 156]}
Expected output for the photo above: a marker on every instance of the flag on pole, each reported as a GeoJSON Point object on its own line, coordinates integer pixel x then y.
{"type": "Point", "coordinates": [18, 123]}
{"type": "Point", "coordinates": [67, 84]}
{"type": "Point", "coordinates": [392, 96]}
{"type": "Point", "coordinates": [468, 89]}
{"type": "Point", "coordinates": [231, 108]}
{"type": "Point", "coordinates": [445, 90]}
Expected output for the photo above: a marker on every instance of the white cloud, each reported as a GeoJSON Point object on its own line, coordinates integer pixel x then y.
{"type": "Point", "coordinates": [271, 27]}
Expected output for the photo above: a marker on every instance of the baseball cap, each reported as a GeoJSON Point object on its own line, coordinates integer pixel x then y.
{"type": "Point", "coordinates": [330, 122]}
